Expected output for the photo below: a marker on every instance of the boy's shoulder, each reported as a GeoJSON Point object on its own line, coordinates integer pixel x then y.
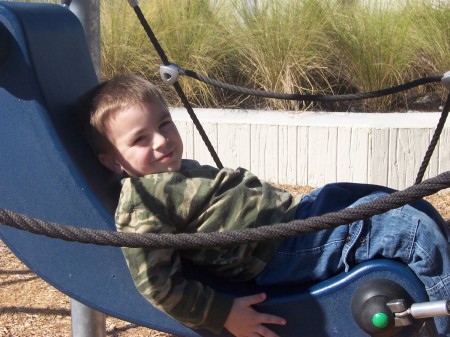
{"type": "Point", "coordinates": [190, 165]}
{"type": "Point", "coordinates": [165, 186]}
{"type": "Point", "coordinates": [188, 170]}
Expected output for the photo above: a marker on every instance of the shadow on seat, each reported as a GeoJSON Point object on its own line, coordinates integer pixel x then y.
{"type": "Point", "coordinates": [47, 171]}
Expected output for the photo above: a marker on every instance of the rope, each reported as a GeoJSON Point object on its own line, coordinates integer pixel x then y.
{"type": "Point", "coordinates": [434, 140]}
{"type": "Point", "coordinates": [323, 98]}
{"type": "Point", "coordinates": [177, 86]}
{"type": "Point", "coordinates": [202, 240]}
{"type": "Point", "coordinates": [151, 35]}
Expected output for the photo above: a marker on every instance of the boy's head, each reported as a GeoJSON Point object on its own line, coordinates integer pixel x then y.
{"type": "Point", "coordinates": [130, 127]}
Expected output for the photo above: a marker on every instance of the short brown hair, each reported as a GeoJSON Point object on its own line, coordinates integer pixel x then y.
{"type": "Point", "coordinates": [111, 96]}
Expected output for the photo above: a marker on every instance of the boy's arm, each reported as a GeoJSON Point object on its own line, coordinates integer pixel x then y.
{"type": "Point", "coordinates": [147, 206]}
{"type": "Point", "coordinates": [158, 277]}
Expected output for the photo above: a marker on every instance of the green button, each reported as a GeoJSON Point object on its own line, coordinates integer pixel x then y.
{"type": "Point", "coordinates": [380, 320]}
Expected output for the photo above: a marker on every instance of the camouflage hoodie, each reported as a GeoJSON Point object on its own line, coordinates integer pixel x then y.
{"type": "Point", "coordinates": [198, 199]}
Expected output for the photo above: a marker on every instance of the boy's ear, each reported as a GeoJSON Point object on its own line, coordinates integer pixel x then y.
{"type": "Point", "coordinates": [110, 162]}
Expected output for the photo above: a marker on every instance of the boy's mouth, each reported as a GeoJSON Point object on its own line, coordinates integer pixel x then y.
{"type": "Point", "coordinates": [166, 157]}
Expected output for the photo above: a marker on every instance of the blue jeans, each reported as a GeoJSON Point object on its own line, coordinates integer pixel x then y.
{"type": "Point", "coordinates": [414, 234]}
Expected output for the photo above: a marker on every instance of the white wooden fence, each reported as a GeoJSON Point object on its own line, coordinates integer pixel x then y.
{"type": "Point", "coordinates": [315, 148]}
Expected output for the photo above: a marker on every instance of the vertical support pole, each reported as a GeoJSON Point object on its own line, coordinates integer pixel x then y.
{"type": "Point", "coordinates": [86, 322]}
{"type": "Point", "coordinates": [88, 12]}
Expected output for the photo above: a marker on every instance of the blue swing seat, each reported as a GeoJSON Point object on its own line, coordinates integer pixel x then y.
{"type": "Point", "coordinates": [47, 171]}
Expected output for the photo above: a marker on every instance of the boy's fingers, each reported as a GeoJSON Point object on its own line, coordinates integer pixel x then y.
{"type": "Point", "coordinates": [269, 319]}
{"type": "Point", "coordinates": [265, 332]}
{"type": "Point", "coordinates": [254, 299]}
{"type": "Point", "coordinates": [262, 317]}
{"type": "Point", "coordinates": [272, 319]}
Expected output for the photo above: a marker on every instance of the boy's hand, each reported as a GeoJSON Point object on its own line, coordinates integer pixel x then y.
{"type": "Point", "coordinates": [244, 321]}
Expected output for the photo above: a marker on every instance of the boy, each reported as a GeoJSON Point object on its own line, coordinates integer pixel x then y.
{"type": "Point", "coordinates": [132, 132]}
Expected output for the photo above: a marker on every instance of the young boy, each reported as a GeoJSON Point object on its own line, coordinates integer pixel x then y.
{"type": "Point", "coordinates": [132, 132]}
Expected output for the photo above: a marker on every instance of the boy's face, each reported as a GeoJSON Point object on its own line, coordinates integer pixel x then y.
{"type": "Point", "coordinates": [145, 141]}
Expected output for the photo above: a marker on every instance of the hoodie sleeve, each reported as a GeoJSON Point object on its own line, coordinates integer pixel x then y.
{"type": "Point", "coordinates": [157, 273]}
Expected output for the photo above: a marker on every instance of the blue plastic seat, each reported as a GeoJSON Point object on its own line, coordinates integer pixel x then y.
{"type": "Point", "coordinates": [47, 171]}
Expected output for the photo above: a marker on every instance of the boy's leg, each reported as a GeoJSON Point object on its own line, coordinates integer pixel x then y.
{"type": "Point", "coordinates": [315, 256]}
{"type": "Point", "coordinates": [406, 234]}
{"type": "Point", "coordinates": [411, 236]}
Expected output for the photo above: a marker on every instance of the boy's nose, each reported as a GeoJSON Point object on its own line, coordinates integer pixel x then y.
{"type": "Point", "coordinates": [159, 140]}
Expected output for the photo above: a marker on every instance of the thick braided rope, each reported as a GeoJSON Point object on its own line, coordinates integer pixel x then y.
{"type": "Point", "coordinates": [320, 98]}
{"type": "Point", "coordinates": [177, 86]}
{"type": "Point", "coordinates": [202, 240]}
{"type": "Point", "coordinates": [434, 141]}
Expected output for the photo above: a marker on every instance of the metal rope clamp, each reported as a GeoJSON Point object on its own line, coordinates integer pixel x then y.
{"type": "Point", "coordinates": [170, 73]}
{"type": "Point", "coordinates": [445, 80]}
{"type": "Point", "coordinates": [133, 3]}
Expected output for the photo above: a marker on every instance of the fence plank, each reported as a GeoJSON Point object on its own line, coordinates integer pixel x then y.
{"type": "Point", "coordinates": [234, 145]}
{"type": "Point", "coordinates": [287, 163]}
{"type": "Point", "coordinates": [302, 156]}
{"type": "Point", "coordinates": [378, 158]}
{"type": "Point", "coordinates": [264, 151]}
{"type": "Point", "coordinates": [322, 155]}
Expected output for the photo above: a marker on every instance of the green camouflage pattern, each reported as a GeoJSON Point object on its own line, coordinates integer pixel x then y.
{"type": "Point", "coordinates": [198, 199]}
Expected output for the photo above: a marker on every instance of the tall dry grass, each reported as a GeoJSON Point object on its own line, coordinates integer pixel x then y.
{"type": "Point", "coordinates": [278, 45]}
{"type": "Point", "coordinates": [373, 47]}
{"type": "Point", "coordinates": [190, 33]}
{"type": "Point", "coordinates": [302, 46]}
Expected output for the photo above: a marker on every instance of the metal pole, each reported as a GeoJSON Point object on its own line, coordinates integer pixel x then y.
{"type": "Point", "coordinates": [88, 12]}
{"type": "Point", "coordinates": [86, 322]}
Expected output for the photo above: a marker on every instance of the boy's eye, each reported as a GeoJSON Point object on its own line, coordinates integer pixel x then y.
{"type": "Point", "coordinates": [139, 140]}
{"type": "Point", "coordinates": [165, 124]}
